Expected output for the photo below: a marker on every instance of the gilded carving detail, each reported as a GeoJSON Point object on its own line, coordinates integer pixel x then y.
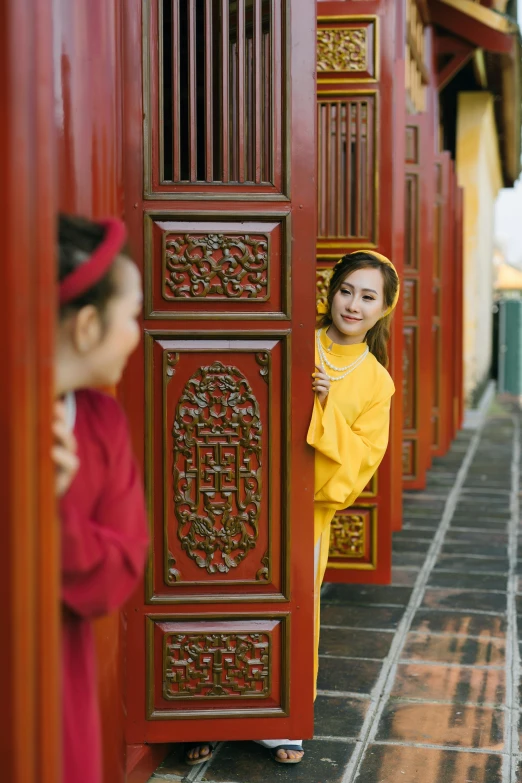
{"type": "Point", "coordinates": [216, 267]}
{"type": "Point", "coordinates": [217, 468]}
{"type": "Point", "coordinates": [322, 281]}
{"type": "Point", "coordinates": [348, 536]}
{"type": "Point", "coordinates": [342, 49]}
{"type": "Point", "coordinates": [216, 665]}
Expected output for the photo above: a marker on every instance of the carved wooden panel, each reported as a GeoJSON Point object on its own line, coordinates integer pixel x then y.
{"type": "Point", "coordinates": [197, 664]}
{"type": "Point", "coordinates": [409, 459]}
{"type": "Point", "coordinates": [417, 311]}
{"type": "Point", "coordinates": [352, 538]}
{"type": "Point", "coordinates": [215, 94]}
{"type": "Point", "coordinates": [410, 371]}
{"type": "Point", "coordinates": [347, 49]}
{"type": "Point", "coordinates": [205, 266]}
{"type": "Point", "coordinates": [411, 234]}
{"type": "Point", "coordinates": [412, 144]}
{"type": "Point", "coordinates": [217, 490]}
{"type": "Point", "coordinates": [410, 298]}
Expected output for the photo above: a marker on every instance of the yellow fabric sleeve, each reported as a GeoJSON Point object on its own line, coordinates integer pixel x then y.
{"type": "Point", "coordinates": [347, 457]}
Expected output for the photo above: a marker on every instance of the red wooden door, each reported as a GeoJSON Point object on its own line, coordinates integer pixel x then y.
{"type": "Point", "coordinates": [458, 349]}
{"type": "Point", "coordinates": [220, 200]}
{"type": "Point", "coordinates": [418, 302]}
{"type": "Point", "coordinates": [443, 306]}
{"type": "Point", "coordinates": [355, 59]}
{"type": "Point", "coordinates": [88, 103]}
{"type": "Point", "coordinates": [30, 727]}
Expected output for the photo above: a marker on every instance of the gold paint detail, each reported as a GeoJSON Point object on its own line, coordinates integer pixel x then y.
{"type": "Point", "coordinates": [216, 267]}
{"type": "Point", "coordinates": [264, 573]}
{"type": "Point", "coordinates": [217, 470]}
{"type": "Point", "coordinates": [322, 283]}
{"type": "Point", "coordinates": [348, 536]}
{"type": "Point", "coordinates": [216, 665]}
{"type": "Point", "coordinates": [173, 575]}
{"type": "Point", "coordinates": [263, 359]}
{"type": "Point", "coordinates": [342, 49]}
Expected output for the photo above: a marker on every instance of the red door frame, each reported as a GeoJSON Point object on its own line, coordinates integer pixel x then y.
{"type": "Point", "coordinates": [444, 305]}
{"type": "Point", "coordinates": [301, 203]}
{"type": "Point", "coordinates": [30, 735]}
{"type": "Point", "coordinates": [371, 518]}
{"type": "Point", "coordinates": [418, 303]}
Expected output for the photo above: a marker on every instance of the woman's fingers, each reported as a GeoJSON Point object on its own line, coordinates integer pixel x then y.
{"type": "Point", "coordinates": [64, 451]}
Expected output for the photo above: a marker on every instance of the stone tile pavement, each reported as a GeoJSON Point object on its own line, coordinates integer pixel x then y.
{"type": "Point", "coordinates": [419, 681]}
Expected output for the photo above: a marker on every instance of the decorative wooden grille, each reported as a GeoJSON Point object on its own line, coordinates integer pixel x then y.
{"type": "Point", "coordinates": [416, 71]}
{"type": "Point", "coordinates": [346, 167]}
{"type": "Point", "coordinates": [216, 63]}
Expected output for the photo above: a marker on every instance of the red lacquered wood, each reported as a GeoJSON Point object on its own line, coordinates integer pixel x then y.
{"type": "Point", "coordinates": [443, 313]}
{"type": "Point", "coordinates": [258, 106]}
{"type": "Point", "coordinates": [298, 554]}
{"type": "Point", "coordinates": [30, 729]}
{"type": "Point", "coordinates": [225, 97]}
{"type": "Point", "coordinates": [240, 106]}
{"type": "Point", "coordinates": [176, 96]}
{"type": "Point", "coordinates": [88, 126]}
{"type": "Point", "coordinates": [418, 305]}
{"type": "Point", "coordinates": [384, 499]}
{"type": "Point", "coordinates": [458, 391]}
{"type": "Point", "coordinates": [396, 365]}
{"type": "Point", "coordinates": [193, 131]}
{"type": "Point", "coordinates": [209, 116]}
{"type": "Point", "coordinates": [143, 761]}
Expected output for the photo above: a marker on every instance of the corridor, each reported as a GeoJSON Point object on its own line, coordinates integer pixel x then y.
{"type": "Point", "coordinates": [419, 680]}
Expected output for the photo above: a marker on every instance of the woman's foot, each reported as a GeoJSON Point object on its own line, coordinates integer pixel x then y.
{"type": "Point", "coordinates": [198, 752]}
{"type": "Point", "coordinates": [284, 751]}
{"type": "Point", "coordinates": [288, 754]}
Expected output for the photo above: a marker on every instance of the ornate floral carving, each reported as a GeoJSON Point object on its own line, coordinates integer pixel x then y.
{"type": "Point", "coordinates": [322, 281]}
{"type": "Point", "coordinates": [217, 468]}
{"type": "Point", "coordinates": [172, 575]}
{"type": "Point", "coordinates": [342, 49]}
{"type": "Point", "coordinates": [263, 573]}
{"type": "Point", "coordinates": [348, 536]}
{"type": "Point", "coordinates": [216, 266]}
{"type": "Point", "coordinates": [216, 665]}
{"type": "Point", "coordinates": [263, 359]}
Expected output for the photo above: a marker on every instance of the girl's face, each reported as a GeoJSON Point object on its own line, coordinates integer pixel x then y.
{"type": "Point", "coordinates": [105, 343]}
{"type": "Point", "coordinates": [122, 332]}
{"type": "Point", "coordinates": [358, 305]}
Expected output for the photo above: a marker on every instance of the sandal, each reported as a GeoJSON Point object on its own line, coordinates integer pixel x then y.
{"type": "Point", "coordinates": [200, 759]}
{"type": "Point", "coordinates": [273, 753]}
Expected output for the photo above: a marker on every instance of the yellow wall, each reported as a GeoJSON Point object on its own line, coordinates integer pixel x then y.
{"type": "Point", "coordinates": [479, 173]}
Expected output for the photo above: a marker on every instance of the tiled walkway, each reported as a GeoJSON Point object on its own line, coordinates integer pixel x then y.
{"type": "Point", "coordinates": [419, 680]}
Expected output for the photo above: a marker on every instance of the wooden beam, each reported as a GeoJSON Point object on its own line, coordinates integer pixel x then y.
{"type": "Point", "coordinates": [481, 27]}
{"type": "Point", "coordinates": [450, 44]}
{"type": "Point", "coordinates": [452, 68]}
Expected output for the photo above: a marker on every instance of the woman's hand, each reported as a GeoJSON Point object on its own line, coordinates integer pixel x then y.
{"type": "Point", "coordinates": [64, 452]}
{"type": "Point", "coordinates": [321, 384]}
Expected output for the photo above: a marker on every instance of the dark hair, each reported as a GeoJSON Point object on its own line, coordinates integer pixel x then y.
{"type": "Point", "coordinates": [377, 337]}
{"type": "Point", "coordinates": [78, 238]}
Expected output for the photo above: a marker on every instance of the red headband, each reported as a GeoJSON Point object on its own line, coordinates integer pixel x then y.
{"type": "Point", "coordinates": [93, 269]}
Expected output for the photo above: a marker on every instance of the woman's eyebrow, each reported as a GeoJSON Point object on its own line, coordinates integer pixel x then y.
{"type": "Point", "coordinates": [370, 290]}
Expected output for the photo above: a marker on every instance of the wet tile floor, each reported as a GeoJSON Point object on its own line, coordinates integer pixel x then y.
{"type": "Point", "coordinates": [419, 681]}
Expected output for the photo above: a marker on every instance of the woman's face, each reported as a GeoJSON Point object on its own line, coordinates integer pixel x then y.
{"type": "Point", "coordinates": [358, 304]}
{"type": "Point", "coordinates": [108, 357]}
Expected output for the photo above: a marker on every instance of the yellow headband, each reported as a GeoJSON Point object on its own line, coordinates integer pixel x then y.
{"type": "Point", "coordinates": [322, 307]}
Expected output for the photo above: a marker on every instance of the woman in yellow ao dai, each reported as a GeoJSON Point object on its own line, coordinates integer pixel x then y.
{"type": "Point", "coordinates": [353, 390]}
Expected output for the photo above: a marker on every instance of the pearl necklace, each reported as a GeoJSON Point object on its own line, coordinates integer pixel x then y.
{"type": "Point", "coordinates": [344, 370]}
